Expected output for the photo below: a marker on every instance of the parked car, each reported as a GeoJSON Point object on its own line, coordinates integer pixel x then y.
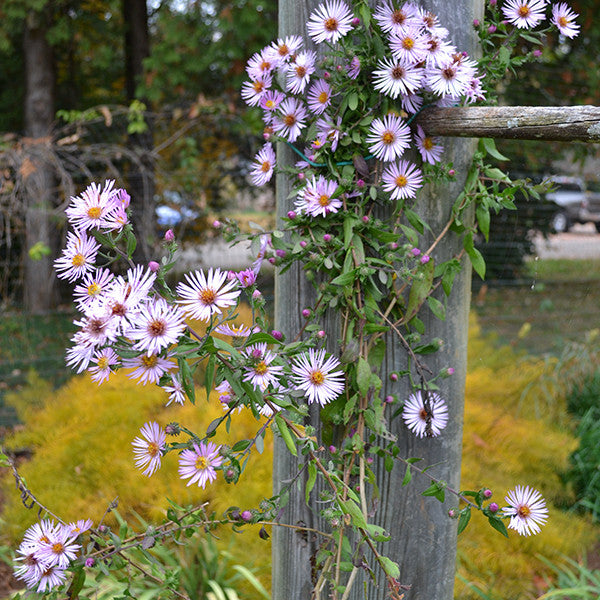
{"type": "Point", "coordinates": [572, 202]}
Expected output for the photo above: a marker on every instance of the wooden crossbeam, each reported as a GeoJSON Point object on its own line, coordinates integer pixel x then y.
{"type": "Point", "coordinates": [549, 123]}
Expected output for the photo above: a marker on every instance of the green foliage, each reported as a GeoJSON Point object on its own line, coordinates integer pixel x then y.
{"type": "Point", "coordinates": [504, 443]}
{"type": "Point", "coordinates": [573, 580]}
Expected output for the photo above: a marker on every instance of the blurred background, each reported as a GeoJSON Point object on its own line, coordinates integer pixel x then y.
{"type": "Point", "coordinates": [147, 92]}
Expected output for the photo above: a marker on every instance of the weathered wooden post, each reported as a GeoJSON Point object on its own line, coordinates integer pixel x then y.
{"type": "Point", "coordinates": [423, 536]}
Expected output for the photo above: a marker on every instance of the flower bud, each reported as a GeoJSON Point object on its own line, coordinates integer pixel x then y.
{"type": "Point", "coordinates": [327, 237]}
{"type": "Point", "coordinates": [172, 429]}
{"type": "Point", "coordinates": [425, 259]}
{"type": "Point", "coordinates": [169, 235]}
{"type": "Point", "coordinates": [415, 252]}
{"type": "Point", "coordinates": [216, 224]}
{"type": "Point", "coordinates": [476, 23]}
{"type": "Point", "coordinates": [256, 294]}
{"type": "Point", "coordinates": [277, 335]}
{"type": "Point", "coordinates": [89, 562]}
{"type": "Point", "coordinates": [262, 534]}
{"type": "Point", "coordinates": [360, 184]}
{"type": "Point", "coordinates": [301, 176]}
{"type": "Point", "coordinates": [306, 313]}
{"type": "Point", "coordinates": [393, 376]}
{"type": "Point", "coordinates": [291, 215]}
{"type": "Point", "coordinates": [487, 493]}
{"type": "Point", "coordinates": [355, 22]}
{"type": "Point", "coordinates": [332, 449]}
{"type": "Point", "coordinates": [321, 334]}
{"type": "Point", "coordinates": [303, 243]}
{"type": "Point", "coordinates": [452, 513]}
{"type": "Point", "coordinates": [537, 53]}
{"type": "Point", "coordinates": [280, 253]}
{"type": "Point", "coordinates": [491, 29]}
{"type": "Point", "coordinates": [272, 260]}
{"type": "Point", "coordinates": [451, 172]}
{"type": "Point", "coordinates": [153, 266]}
{"type": "Point", "coordinates": [493, 507]}
{"type": "Point", "coordinates": [365, 219]}
{"type": "Point", "coordinates": [246, 516]}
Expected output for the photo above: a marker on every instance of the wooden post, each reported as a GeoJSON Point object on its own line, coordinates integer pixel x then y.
{"type": "Point", "coordinates": [423, 536]}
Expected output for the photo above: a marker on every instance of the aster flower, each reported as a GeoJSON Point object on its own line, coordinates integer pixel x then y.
{"type": "Point", "coordinates": [438, 52]}
{"type": "Point", "coordinates": [93, 208]}
{"type": "Point", "coordinates": [270, 102]}
{"type": "Point", "coordinates": [331, 132]}
{"type": "Point", "coordinates": [431, 23]}
{"type": "Point", "coordinates": [288, 46]}
{"type": "Point", "coordinates": [253, 91]}
{"type": "Point", "coordinates": [49, 578]}
{"type": "Point", "coordinates": [39, 534]}
{"type": "Point", "coordinates": [411, 103]}
{"type": "Point", "coordinates": [410, 46]}
{"type": "Point", "coordinates": [388, 138]}
{"type": "Point", "coordinates": [299, 72]}
{"type": "Point", "coordinates": [261, 63]}
{"type": "Point", "coordinates": [264, 240]}
{"type": "Point", "coordinates": [402, 180]}
{"type": "Point", "coordinates": [93, 286]}
{"type": "Point", "coordinates": [290, 119]}
{"type": "Point", "coordinates": [317, 376]}
{"type": "Point", "coordinates": [81, 526]}
{"type": "Point", "coordinates": [205, 295]}
{"type": "Point", "coordinates": [198, 465]}
{"type": "Point", "coordinates": [78, 257]}
{"type": "Point", "coordinates": [232, 330]}
{"type": "Point", "coordinates": [396, 20]}
{"type": "Point", "coordinates": [353, 68]}
{"type": "Point", "coordinates": [429, 148]}
{"type": "Point", "coordinates": [156, 326]}
{"type": "Point", "coordinates": [524, 14]}
{"type": "Point", "coordinates": [105, 359]}
{"type": "Point", "coordinates": [175, 391]}
{"type": "Point", "coordinates": [526, 509]}
{"type": "Point", "coordinates": [315, 199]}
{"type": "Point", "coordinates": [331, 21]}
{"type": "Point", "coordinates": [78, 357]}
{"type": "Point", "coordinates": [95, 330]}
{"type": "Point", "coordinates": [474, 91]}
{"type": "Point", "coordinates": [393, 78]}
{"type": "Point", "coordinates": [148, 449]}
{"type": "Point", "coordinates": [260, 372]}
{"type": "Point", "coordinates": [451, 78]}
{"type": "Point", "coordinates": [148, 368]}
{"type": "Point", "coordinates": [27, 565]}
{"type": "Point", "coordinates": [564, 19]}
{"type": "Point", "coordinates": [263, 165]}
{"type": "Point", "coordinates": [319, 96]}
{"type": "Point", "coordinates": [60, 550]}
{"type": "Point", "coordinates": [415, 414]}
{"type": "Point", "coordinates": [247, 277]}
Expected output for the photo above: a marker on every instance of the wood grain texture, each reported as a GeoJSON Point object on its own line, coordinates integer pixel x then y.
{"type": "Point", "coordinates": [550, 123]}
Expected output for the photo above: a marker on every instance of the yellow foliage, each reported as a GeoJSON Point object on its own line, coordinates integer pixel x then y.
{"type": "Point", "coordinates": [504, 445]}
{"type": "Point", "coordinates": [83, 459]}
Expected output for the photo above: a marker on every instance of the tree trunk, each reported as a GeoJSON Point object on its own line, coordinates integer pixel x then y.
{"type": "Point", "coordinates": [36, 170]}
{"type": "Point", "coordinates": [140, 183]}
{"type": "Point", "coordinates": [423, 536]}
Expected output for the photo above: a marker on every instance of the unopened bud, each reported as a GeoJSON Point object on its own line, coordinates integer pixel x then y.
{"type": "Point", "coordinates": [169, 235]}
{"type": "Point", "coordinates": [153, 266]}
{"type": "Point", "coordinates": [246, 516]}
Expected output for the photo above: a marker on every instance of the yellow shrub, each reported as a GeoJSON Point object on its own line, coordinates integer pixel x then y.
{"type": "Point", "coordinates": [504, 445]}
{"type": "Point", "coordinates": [81, 439]}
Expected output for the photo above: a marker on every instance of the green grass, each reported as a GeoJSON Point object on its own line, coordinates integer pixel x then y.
{"type": "Point", "coordinates": [563, 269]}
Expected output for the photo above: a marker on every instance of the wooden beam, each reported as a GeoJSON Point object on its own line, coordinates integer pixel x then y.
{"type": "Point", "coordinates": [548, 123]}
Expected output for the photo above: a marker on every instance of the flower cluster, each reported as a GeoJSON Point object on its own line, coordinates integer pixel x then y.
{"type": "Point", "coordinates": [527, 14]}
{"type": "Point", "coordinates": [46, 552]}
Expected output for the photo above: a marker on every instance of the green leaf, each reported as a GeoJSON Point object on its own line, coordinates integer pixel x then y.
{"type": "Point", "coordinates": [419, 290]}
{"type": "Point", "coordinates": [498, 525]}
{"type": "Point", "coordinates": [345, 278]}
{"type": "Point", "coordinates": [131, 243]}
{"type": "Point", "coordinates": [312, 478]}
{"type": "Point", "coordinates": [286, 435]}
{"type": "Point", "coordinates": [390, 567]}
{"type": "Point", "coordinates": [76, 584]}
{"type": "Point", "coordinates": [465, 515]}
{"type": "Point", "coordinates": [209, 375]}
{"type": "Point", "coordinates": [241, 445]}
{"type": "Point", "coordinates": [436, 490]}
{"type": "Point", "coordinates": [187, 379]}
{"type": "Point", "coordinates": [407, 476]}
{"type": "Point", "coordinates": [353, 101]}
{"type": "Point", "coordinates": [260, 444]}
{"type": "Point", "coordinates": [377, 533]}
{"type": "Point", "coordinates": [489, 146]}
{"type": "Point", "coordinates": [477, 259]}
{"type": "Point", "coordinates": [363, 376]}
{"type": "Point", "coordinates": [437, 308]}
{"type": "Point", "coordinates": [352, 509]}
{"type": "Point", "coordinates": [483, 220]}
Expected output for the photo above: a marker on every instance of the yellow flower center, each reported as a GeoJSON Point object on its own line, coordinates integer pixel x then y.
{"type": "Point", "coordinates": [331, 24]}
{"type": "Point", "coordinates": [153, 449]}
{"type": "Point", "coordinates": [323, 97]}
{"type": "Point", "coordinates": [563, 21]}
{"type": "Point", "coordinates": [283, 50]}
{"type": "Point", "coordinates": [266, 166]}
{"type": "Point", "coordinates": [289, 120]}
{"type": "Point", "coordinates": [265, 66]}
{"type": "Point", "coordinates": [149, 361]}
{"type": "Point", "coordinates": [94, 212]}
{"type": "Point", "coordinates": [258, 86]}
{"type": "Point", "coordinates": [78, 260]}
{"type": "Point", "coordinates": [388, 137]}
{"type": "Point", "coordinates": [202, 463]}
{"type": "Point", "coordinates": [156, 328]}
{"type": "Point", "coordinates": [57, 547]}
{"type": "Point", "coordinates": [93, 289]}
{"type": "Point", "coordinates": [103, 363]}
{"type": "Point", "coordinates": [261, 368]}
{"type": "Point", "coordinates": [524, 511]}
{"type": "Point", "coordinates": [270, 104]}
{"type": "Point", "coordinates": [408, 43]}
{"type": "Point", "coordinates": [317, 378]}
{"type": "Point", "coordinates": [401, 181]}
{"type": "Point", "coordinates": [300, 71]}
{"type": "Point", "coordinates": [208, 296]}
{"type": "Point", "coordinates": [324, 200]}
{"type": "Point", "coordinates": [398, 17]}
{"type": "Point", "coordinates": [428, 143]}
{"type": "Point", "coordinates": [524, 10]}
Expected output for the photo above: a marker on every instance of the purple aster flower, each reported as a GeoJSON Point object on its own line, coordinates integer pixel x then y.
{"type": "Point", "coordinates": [439, 52]}
{"type": "Point", "coordinates": [315, 199]}
{"type": "Point", "coordinates": [148, 369]}
{"type": "Point", "coordinates": [319, 96]}
{"type": "Point", "coordinates": [389, 137]}
{"type": "Point", "coordinates": [261, 373]}
{"type": "Point", "coordinates": [431, 23]}
{"type": "Point", "coordinates": [157, 326]}
{"type": "Point", "coordinates": [60, 550]}
{"type": "Point", "coordinates": [93, 208]}
{"type": "Point", "coordinates": [253, 91]}
{"type": "Point", "coordinates": [286, 47]}
{"type": "Point", "coordinates": [524, 14]}
{"type": "Point", "coordinates": [412, 103]}
{"type": "Point", "coordinates": [317, 376]}
{"type": "Point", "coordinates": [393, 78]}
{"type": "Point", "coordinates": [402, 180]}
{"type": "Point", "coordinates": [410, 46]}
{"type": "Point", "coordinates": [564, 19]}
{"type": "Point", "coordinates": [205, 295]}
{"type": "Point", "coordinates": [264, 163]}
{"type": "Point", "coordinates": [261, 63]}
{"type": "Point", "coordinates": [396, 20]}
{"type": "Point", "coordinates": [526, 509]}
{"type": "Point", "coordinates": [269, 102]}
{"type": "Point", "coordinates": [175, 391]}
{"type": "Point", "coordinates": [104, 359]}
{"type": "Point", "coordinates": [78, 257]}
{"type": "Point", "coordinates": [94, 284]}
{"type": "Point", "coordinates": [415, 414]}
{"type": "Point", "coordinates": [148, 449]}
{"type": "Point", "coordinates": [299, 71]}
{"type": "Point", "coordinates": [429, 148]}
{"type": "Point", "coordinates": [290, 119]}
{"type": "Point", "coordinates": [329, 22]}
{"type": "Point", "coordinates": [198, 465]}
{"type": "Point", "coordinates": [451, 78]}
{"type": "Point", "coordinates": [353, 68]}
